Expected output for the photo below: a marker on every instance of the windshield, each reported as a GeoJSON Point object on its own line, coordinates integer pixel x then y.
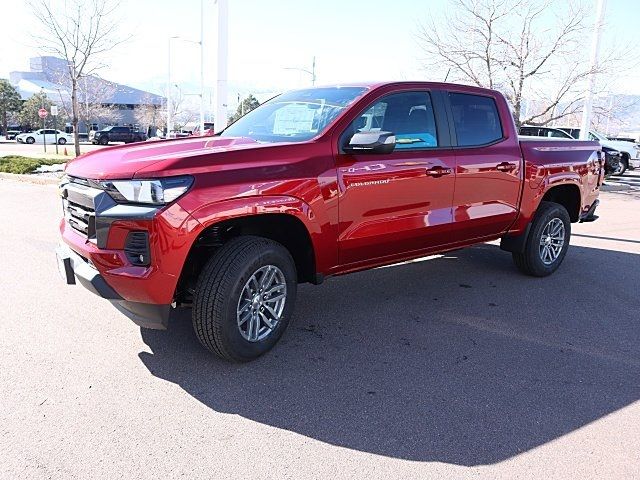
{"type": "Point", "coordinates": [597, 136]}
{"type": "Point", "coordinates": [294, 116]}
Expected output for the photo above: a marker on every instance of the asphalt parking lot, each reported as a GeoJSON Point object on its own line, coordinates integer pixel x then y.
{"type": "Point", "coordinates": [452, 367]}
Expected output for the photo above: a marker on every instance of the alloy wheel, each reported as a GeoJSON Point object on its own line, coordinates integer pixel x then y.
{"type": "Point", "coordinates": [552, 241]}
{"type": "Point", "coordinates": [261, 303]}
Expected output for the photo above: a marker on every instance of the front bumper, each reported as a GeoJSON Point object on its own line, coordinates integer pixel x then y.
{"type": "Point", "coordinates": [94, 253]}
{"type": "Point", "coordinates": [73, 267]}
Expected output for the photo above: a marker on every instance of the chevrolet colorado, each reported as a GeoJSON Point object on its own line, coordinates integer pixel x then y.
{"type": "Point", "coordinates": [316, 182]}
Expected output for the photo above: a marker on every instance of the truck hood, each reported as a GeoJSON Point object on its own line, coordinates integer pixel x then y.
{"type": "Point", "coordinates": [155, 158]}
{"type": "Point", "coordinates": [621, 146]}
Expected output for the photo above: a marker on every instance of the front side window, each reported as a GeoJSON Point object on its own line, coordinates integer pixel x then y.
{"type": "Point", "coordinates": [294, 116]}
{"type": "Point", "coordinates": [476, 119]}
{"type": "Point", "coordinates": [409, 116]}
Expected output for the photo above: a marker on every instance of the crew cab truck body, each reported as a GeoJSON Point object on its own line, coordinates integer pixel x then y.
{"type": "Point", "coordinates": [315, 183]}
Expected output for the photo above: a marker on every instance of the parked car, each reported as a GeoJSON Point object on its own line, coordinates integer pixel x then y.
{"type": "Point", "coordinates": [118, 134]}
{"type": "Point", "coordinates": [305, 187]}
{"type": "Point", "coordinates": [630, 151]}
{"type": "Point", "coordinates": [548, 132]}
{"type": "Point", "coordinates": [11, 134]}
{"type": "Point", "coordinates": [208, 127]}
{"type": "Point", "coordinates": [39, 136]}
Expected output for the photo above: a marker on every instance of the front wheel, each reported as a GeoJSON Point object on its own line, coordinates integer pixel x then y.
{"type": "Point", "coordinates": [244, 298]}
{"type": "Point", "coordinates": [103, 141]}
{"type": "Point", "coordinates": [31, 140]}
{"type": "Point", "coordinates": [548, 241]}
{"type": "Point", "coordinates": [623, 164]}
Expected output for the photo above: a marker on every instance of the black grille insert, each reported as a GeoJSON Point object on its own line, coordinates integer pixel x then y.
{"type": "Point", "coordinates": [136, 248]}
{"type": "Point", "coordinates": [81, 218]}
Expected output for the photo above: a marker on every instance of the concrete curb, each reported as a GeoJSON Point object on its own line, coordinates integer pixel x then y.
{"type": "Point", "coordinates": [38, 180]}
{"type": "Point", "coordinates": [615, 187]}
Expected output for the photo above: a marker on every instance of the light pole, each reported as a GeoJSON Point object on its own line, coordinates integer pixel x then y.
{"type": "Point", "coordinates": [201, 67]}
{"type": "Point", "coordinates": [595, 49]}
{"type": "Point", "coordinates": [201, 44]}
{"type": "Point", "coordinates": [221, 83]}
{"type": "Point", "coordinates": [169, 106]}
{"type": "Point", "coordinates": [311, 72]}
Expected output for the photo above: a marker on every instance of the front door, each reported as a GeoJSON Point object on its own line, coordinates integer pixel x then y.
{"type": "Point", "coordinates": [392, 204]}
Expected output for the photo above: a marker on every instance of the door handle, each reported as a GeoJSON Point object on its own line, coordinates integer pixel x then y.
{"type": "Point", "coordinates": [506, 166]}
{"type": "Point", "coordinates": [438, 171]}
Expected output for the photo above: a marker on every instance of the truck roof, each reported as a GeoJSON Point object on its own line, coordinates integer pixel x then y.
{"type": "Point", "coordinates": [409, 83]}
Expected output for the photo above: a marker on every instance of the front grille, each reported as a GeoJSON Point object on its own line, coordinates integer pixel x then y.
{"type": "Point", "coordinates": [81, 219]}
{"type": "Point", "coordinates": [78, 204]}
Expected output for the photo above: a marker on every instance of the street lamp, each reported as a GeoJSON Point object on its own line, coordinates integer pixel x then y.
{"type": "Point", "coordinates": [201, 44]}
{"type": "Point", "coordinates": [169, 119]}
{"type": "Point", "coordinates": [311, 72]}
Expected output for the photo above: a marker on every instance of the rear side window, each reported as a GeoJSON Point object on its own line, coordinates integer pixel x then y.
{"type": "Point", "coordinates": [476, 119]}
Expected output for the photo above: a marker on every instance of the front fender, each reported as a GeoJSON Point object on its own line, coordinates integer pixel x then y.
{"type": "Point", "coordinates": [216, 212]}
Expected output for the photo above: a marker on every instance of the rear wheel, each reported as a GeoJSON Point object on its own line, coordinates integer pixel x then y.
{"type": "Point", "coordinates": [244, 298]}
{"type": "Point", "coordinates": [548, 241]}
{"type": "Point", "coordinates": [62, 141]}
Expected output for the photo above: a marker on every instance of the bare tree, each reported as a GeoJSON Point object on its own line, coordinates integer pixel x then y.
{"type": "Point", "coordinates": [149, 115]}
{"type": "Point", "coordinates": [95, 98]}
{"type": "Point", "coordinates": [528, 49]}
{"type": "Point", "coordinates": [184, 110]}
{"type": "Point", "coordinates": [80, 34]}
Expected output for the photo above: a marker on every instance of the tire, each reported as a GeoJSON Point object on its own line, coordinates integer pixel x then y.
{"type": "Point", "coordinates": [103, 141]}
{"type": "Point", "coordinates": [62, 141]}
{"type": "Point", "coordinates": [531, 261]}
{"type": "Point", "coordinates": [30, 140]}
{"type": "Point", "coordinates": [623, 166]}
{"type": "Point", "coordinates": [221, 295]}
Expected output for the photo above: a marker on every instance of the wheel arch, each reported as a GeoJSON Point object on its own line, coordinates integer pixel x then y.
{"type": "Point", "coordinates": [568, 195]}
{"type": "Point", "coordinates": [290, 227]}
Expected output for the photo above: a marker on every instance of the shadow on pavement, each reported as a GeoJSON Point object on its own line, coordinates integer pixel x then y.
{"type": "Point", "coordinates": [459, 360]}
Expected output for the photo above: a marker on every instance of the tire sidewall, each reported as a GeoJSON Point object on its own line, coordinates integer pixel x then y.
{"type": "Point", "coordinates": [549, 213]}
{"type": "Point", "coordinates": [271, 255]}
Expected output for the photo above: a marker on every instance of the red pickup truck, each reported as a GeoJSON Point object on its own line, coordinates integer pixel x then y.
{"type": "Point", "coordinates": [314, 183]}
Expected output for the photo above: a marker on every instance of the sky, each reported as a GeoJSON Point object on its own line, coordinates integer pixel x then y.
{"type": "Point", "coordinates": [352, 40]}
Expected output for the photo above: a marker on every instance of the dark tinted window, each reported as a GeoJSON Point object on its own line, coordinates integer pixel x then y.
{"type": "Point", "coordinates": [408, 115]}
{"type": "Point", "coordinates": [529, 131]}
{"type": "Point", "coordinates": [476, 119]}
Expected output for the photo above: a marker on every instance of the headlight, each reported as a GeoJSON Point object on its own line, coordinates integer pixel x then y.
{"type": "Point", "coordinates": [153, 192]}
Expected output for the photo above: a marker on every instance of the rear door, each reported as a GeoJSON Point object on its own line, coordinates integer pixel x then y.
{"type": "Point", "coordinates": [400, 202]}
{"type": "Point", "coordinates": [488, 167]}
{"type": "Point", "coordinates": [118, 134]}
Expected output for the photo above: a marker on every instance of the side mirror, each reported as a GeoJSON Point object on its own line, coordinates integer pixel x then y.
{"type": "Point", "coordinates": [371, 142]}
